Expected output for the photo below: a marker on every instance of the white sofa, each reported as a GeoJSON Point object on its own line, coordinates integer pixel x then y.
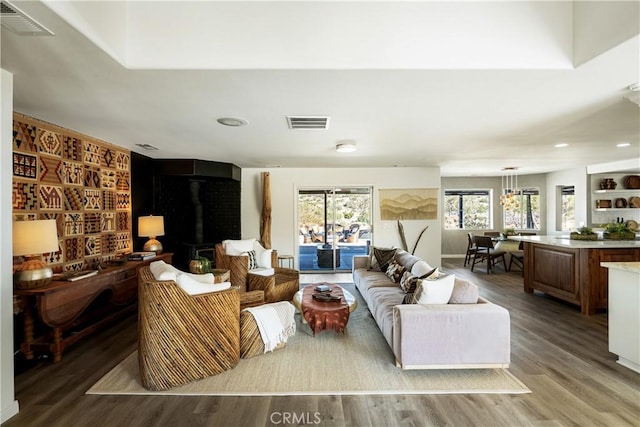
{"type": "Point", "coordinates": [435, 336]}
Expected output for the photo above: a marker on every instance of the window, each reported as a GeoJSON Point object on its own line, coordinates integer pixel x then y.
{"type": "Point", "coordinates": [526, 214]}
{"type": "Point", "coordinates": [567, 207]}
{"type": "Point", "coordinates": [467, 209]}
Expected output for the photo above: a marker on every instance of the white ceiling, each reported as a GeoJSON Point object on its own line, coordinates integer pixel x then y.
{"type": "Point", "coordinates": [471, 87]}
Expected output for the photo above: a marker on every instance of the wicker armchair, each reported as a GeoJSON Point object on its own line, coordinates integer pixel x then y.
{"type": "Point", "coordinates": [184, 338]}
{"type": "Point", "coordinates": [238, 265]}
{"type": "Point", "coordinates": [281, 286]}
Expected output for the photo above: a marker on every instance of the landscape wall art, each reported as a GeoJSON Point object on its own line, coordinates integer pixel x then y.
{"type": "Point", "coordinates": [408, 204]}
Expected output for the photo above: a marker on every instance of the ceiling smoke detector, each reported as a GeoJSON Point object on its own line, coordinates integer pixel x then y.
{"type": "Point", "coordinates": [16, 21]}
{"type": "Point", "coordinates": [308, 122]}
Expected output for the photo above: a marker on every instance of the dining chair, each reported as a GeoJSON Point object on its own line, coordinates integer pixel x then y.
{"type": "Point", "coordinates": [492, 233]}
{"type": "Point", "coordinates": [517, 258]}
{"type": "Point", "coordinates": [486, 252]}
{"type": "Point", "coordinates": [471, 249]}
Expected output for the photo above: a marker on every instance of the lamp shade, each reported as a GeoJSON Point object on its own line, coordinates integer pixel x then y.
{"type": "Point", "coordinates": [34, 237]}
{"type": "Point", "coordinates": [150, 226]}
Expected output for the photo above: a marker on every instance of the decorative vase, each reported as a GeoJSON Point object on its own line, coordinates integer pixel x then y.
{"type": "Point", "coordinates": [200, 266]}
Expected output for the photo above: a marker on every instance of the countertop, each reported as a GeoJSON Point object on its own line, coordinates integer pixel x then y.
{"type": "Point", "coordinates": [565, 242]}
{"type": "Point", "coordinates": [633, 267]}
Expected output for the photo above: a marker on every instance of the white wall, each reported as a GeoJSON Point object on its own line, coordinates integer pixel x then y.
{"type": "Point", "coordinates": [8, 404]}
{"type": "Point", "coordinates": [286, 181]}
{"type": "Point", "coordinates": [577, 178]}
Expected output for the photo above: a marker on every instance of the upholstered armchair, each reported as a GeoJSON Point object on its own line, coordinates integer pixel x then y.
{"type": "Point", "coordinates": [182, 337]}
{"type": "Point", "coordinates": [262, 284]}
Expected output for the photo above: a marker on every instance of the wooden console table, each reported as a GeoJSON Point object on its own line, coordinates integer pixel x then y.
{"type": "Point", "coordinates": [69, 311]}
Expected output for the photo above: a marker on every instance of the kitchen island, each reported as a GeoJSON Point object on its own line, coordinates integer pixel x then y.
{"type": "Point", "coordinates": [570, 269]}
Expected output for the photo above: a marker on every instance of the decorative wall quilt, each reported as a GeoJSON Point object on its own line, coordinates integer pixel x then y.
{"type": "Point", "coordinates": [81, 182]}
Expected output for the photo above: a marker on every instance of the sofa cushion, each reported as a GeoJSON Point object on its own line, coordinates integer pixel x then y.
{"type": "Point", "coordinates": [381, 257]}
{"type": "Point", "coordinates": [395, 271]}
{"type": "Point", "coordinates": [420, 268]}
{"type": "Point", "coordinates": [435, 289]}
{"type": "Point", "coordinates": [464, 292]}
{"type": "Point", "coordinates": [381, 302]}
{"type": "Point", "coordinates": [262, 271]}
{"type": "Point", "coordinates": [406, 259]}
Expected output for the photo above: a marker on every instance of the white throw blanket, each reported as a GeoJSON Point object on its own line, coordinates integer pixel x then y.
{"type": "Point", "coordinates": [275, 322]}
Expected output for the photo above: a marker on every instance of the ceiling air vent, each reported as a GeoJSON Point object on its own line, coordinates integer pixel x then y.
{"type": "Point", "coordinates": [15, 20]}
{"type": "Point", "coordinates": [308, 122]}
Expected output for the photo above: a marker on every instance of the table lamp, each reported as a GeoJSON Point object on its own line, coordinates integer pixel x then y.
{"type": "Point", "coordinates": [31, 239]}
{"type": "Point", "coordinates": [151, 227]}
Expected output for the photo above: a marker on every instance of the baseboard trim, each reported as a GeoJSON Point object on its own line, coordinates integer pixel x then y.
{"type": "Point", "coordinates": [455, 366]}
{"type": "Point", "coordinates": [9, 411]}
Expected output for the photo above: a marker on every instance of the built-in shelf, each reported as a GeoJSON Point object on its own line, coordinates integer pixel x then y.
{"type": "Point", "coordinates": [616, 209]}
{"type": "Point", "coordinates": [626, 190]}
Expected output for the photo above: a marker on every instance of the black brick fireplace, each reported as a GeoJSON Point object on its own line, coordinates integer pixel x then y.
{"type": "Point", "coordinates": [200, 202]}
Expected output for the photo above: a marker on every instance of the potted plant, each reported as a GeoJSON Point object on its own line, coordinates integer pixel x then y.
{"type": "Point", "coordinates": [618, 231]}
{"type": "Point", "coordinates": [509, 232]}
{"type": "Point", "coordinates": [583, 233]}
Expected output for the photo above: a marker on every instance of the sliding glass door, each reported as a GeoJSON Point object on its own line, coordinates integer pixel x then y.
{"type": "Point", "coordinates": [334, 224]}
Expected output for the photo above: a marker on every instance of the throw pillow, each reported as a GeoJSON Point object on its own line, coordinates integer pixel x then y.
{"type": "Point", "coordinates": [408, 281]}
{"type": "Point", "coordinates": [263, 256]}
{"type": "Point", "coordinates": [381, 257]}
{"type": "Point", "coordinates": [434, 289]}
{"type": "Point", "coordinates": [464, 292]}
{"type": "Point", "coordinates": [394, 271]}
{"type": "Point", "coordinates": [253, 263]}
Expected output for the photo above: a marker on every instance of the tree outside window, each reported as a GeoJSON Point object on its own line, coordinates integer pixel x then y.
{"type": "Point", "coordinates": [527, 215]}
{"type": "Point", "coordinates": [467, 209]}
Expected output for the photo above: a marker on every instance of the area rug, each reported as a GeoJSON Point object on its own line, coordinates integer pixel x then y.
{"type": "Point", "coordinates": [356, 362]}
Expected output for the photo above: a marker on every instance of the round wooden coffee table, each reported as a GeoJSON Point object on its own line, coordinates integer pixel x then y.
{"type": "Point", "coordinates": [351, 300]}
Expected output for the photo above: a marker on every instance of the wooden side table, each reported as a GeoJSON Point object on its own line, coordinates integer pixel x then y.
{"type": "Point", "coordinates": [285, 258]}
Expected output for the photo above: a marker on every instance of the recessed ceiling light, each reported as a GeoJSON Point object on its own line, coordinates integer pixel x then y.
{"type": "Point", "coordinates": [561, 145]}
{"type": "Point", "coordinates": [232, 121]}
{"type": "Point", "coordinates": [346, 147]}
{"type": "Point", "coordinates": [623, 144]}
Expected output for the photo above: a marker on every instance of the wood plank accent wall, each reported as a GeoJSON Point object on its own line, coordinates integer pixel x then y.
{"type": "Point", "coordinates": [81, 182]}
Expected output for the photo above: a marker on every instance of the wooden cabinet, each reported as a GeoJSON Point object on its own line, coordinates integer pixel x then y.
{"type": "Point", "coordinates": [574, 274]}
{"type": "Point", "coordinates": [64, 312]}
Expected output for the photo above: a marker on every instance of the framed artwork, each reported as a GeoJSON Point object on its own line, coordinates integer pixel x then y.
{"type": "Point", "coordinates": [408, 203]}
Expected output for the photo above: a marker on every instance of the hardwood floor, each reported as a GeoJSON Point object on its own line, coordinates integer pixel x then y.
{"type": "Point", "coordinates": [558, 353]}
